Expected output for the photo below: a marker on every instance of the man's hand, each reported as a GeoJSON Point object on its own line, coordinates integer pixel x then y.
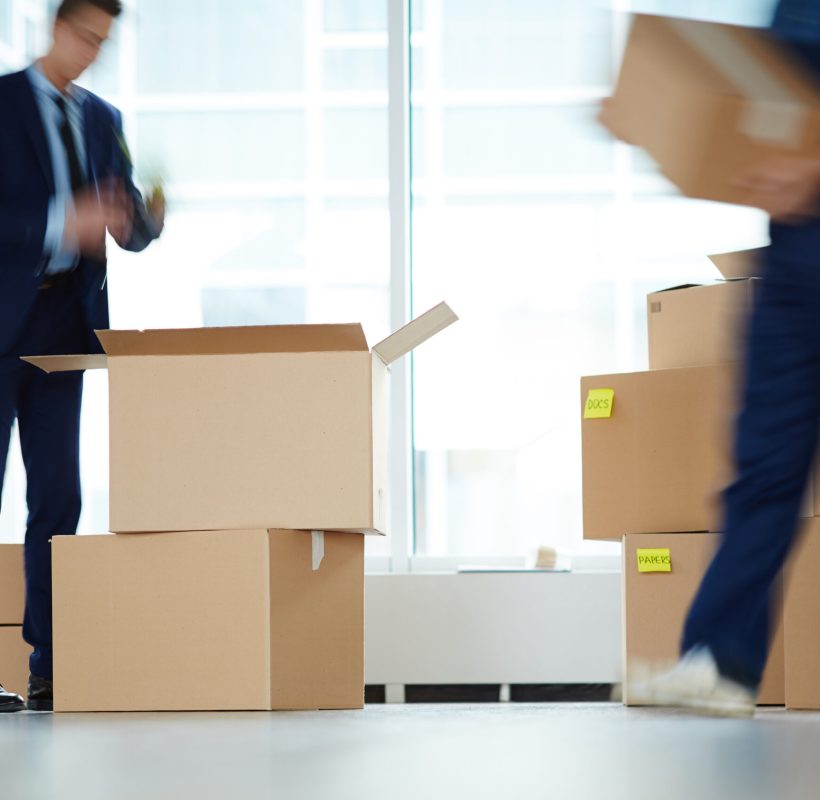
{"type": "Point", "coordinates": [119, 212]}
{"type": "Point", "coordinates": [787, 188]}
{"type": "Point", "coordinates": [156, 208]}
{"type": "Point", "coordinates": [90, 217]}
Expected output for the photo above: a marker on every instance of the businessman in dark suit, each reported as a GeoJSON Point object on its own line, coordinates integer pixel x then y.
{"type": "Point", "coordinates": [66, 181]}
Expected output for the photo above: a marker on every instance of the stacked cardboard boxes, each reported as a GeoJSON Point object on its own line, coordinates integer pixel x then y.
{"type": "Point", "coordinates": [657, 457]}
{"type": "Point", "coordinates": [245, 465]}
{"type": "Point", "coordinates": [14, 652]}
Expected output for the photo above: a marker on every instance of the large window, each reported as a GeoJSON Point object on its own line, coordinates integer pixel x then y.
{"type": "Point", "coordinates": [269, 119]}
{"type": "Point", "coordinates": [546, 236]}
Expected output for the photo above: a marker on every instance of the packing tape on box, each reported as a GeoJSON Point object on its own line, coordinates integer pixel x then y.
{"type": "Point", "coordinates": [774, 113]}
{"type": "Point", "coordinates": [318, 548]}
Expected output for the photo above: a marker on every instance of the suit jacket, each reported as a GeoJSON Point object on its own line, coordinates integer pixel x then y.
{"type": "Point", "coordinates": [26, 189]}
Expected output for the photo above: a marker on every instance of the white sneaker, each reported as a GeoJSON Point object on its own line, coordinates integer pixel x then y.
{"type": "Point", "coordinates": [693, 683]}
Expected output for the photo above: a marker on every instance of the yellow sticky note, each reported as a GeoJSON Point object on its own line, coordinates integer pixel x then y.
{"type": "Point", "coordinates": [654, 559]}
{"type": "Point", "coordinates": [599, 404]}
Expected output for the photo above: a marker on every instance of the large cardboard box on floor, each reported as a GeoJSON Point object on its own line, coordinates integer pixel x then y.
{"type": "Point", "coordinates": [220, 428]}
{"type": "Point", "coordinates": [707, 101]}
{"type": "Point", "coordinates": [12, 585]}
{"type": "Point", "coordinates": [656, 603]}
{"type": "Point", "coordinates": [213, 620]}
{"type": "Point", "coordinates": [802, 621]}
{"type": "Point", "coordinates": [658, 461]}
{"type": "Point", "coordinates": [694, 325]}
{"type": "Point", "coordinates": [14, 654]}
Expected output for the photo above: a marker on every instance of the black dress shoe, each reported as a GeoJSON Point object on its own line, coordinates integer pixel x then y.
{"type": "Point", "coordinates": [10, 702]}
{"type": "Point", "coordinates": [40, 694]}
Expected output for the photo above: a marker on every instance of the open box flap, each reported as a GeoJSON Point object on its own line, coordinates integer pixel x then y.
{"type": "Point", "coordinates": [227, 341]}
{"type": "Point", "coordinates": [415, 333]}
{"type": "Point", "coordinates": [742, 264]}
{"type": "Point", "coordinates": [67, 363]}
{"type": "Point", "coordinates": [679, 288]}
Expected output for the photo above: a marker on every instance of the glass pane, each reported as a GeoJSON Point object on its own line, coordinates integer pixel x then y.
{"type": "Point", "coordinates": [347, 70]}
{"type": "Point", "coordinates": [546, 247]}
{"type": "Point", "coordinates": [493, 44]}
{"type": "Point", "coordinates": [258, 305]}
{"type": "Point", "coordinates": [344, 256]}
{"type": "Point", "coordinates": [355, 15]}
{"type": "Point", "coordinates": [278, 203]}
{"type": "Point", "coordinates": [356, 144]}
{"type": "Point", "coordinates": [506, 140]}
{"type": "Point", "coordinates": [6, 22]}
{"type": "Point", "coordinates": [224, 145]}
{"type": "Point", "coordinates": [417, 16]}
{"type": "Point", "coordinates": [273, 234]}
{"type": "Point", "coordinates": [213, 46]}
{"type": "Point", "coordinates": [739, 12]}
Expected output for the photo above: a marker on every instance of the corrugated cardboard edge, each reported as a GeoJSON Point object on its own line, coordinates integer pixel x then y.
{"type": "Point", "coordinates": [73, 363]}
{"type": "Point", "coordinates": [625, 541]}
{"type": "Point", "coordinates": [415, 333]}
{"type": "Point", "coordinates": [238, 340]}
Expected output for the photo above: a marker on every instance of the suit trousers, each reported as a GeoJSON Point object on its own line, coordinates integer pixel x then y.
{"type": "Point", "coordinates": [47, 410]}
{"type": "Point", "coordinates": [775, 443]}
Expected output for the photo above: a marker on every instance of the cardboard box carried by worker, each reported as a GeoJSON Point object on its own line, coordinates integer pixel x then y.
{"type": "Point", "coordinates": [708, 101]}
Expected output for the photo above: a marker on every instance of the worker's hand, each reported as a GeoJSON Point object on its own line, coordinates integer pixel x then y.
{"type": "Point", "coordinates": [787, 188]}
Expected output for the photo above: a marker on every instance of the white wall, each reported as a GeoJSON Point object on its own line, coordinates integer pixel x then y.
{"type": "Point", "coordinates": [493, 628]}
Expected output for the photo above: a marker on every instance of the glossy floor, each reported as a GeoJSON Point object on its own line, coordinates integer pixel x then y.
{"type": "Point", "coordinates": [395, 752]}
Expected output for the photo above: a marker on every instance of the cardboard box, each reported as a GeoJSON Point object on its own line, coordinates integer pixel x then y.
{"type": "Point", "coordinates": [219, 620]}
{"type": "Point", "coordinates": [656, 604]}
{"type": "Point", "coordinates": [14, 654]}
{"type": "Point", "coordinates": [660, 460]}
{"type": "Point", "coordinates": [692, 326]}
{"type": "Point", "coordinates": [12, 585]}
{"type": "Point", "coordinates": [802, 620]}
{"type": "Point", "coordinates": [708, 101]}
{"type": "Point", "coordinates": [220, 428]}
{"type": "Point", "coordinates": [696, 325]}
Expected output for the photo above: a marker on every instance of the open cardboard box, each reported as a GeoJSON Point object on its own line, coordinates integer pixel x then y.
{"type": "Point", "coordinates": [255, 427]}
{"type": "Point", "coordinates": [698, 325]}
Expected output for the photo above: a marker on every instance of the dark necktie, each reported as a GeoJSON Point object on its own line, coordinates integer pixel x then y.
{"type": "Point", "coordinates": [66, 134]}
